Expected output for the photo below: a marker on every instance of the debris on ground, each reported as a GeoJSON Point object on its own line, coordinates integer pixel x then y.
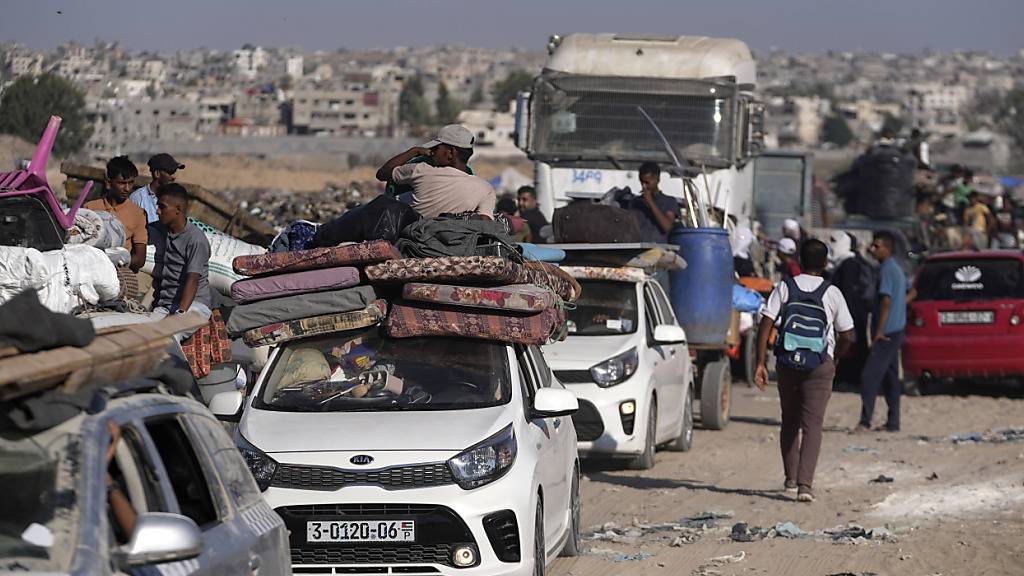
{"type": "Point", "coordinates": [881, 479]}
{"type": "Point", "coordinates": [996, 436]}
{"type": "Point", "coordinates": [675, 533]}
{"type": "Point", "coordinates": [707, 568]}
{"type": "Point", "coordinates": [632, 557]}
{"type": "Point", "coordinates": [789, 530]}
{"type": "Point", "coordinates": [933, 476]}
{"type": "Point", "coordinates": [855, 449]}
{"type": "Point", "coordinates": [855, 534]}
{"type": "Point", "coordinates": [741, 532]}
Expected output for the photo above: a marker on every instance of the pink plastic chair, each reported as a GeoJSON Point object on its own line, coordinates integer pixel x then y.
{"type": "Point", "coordinates": [33, 181]}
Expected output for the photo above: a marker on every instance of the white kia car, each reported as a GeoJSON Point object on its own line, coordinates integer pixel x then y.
{"type": "Point", "coordinates": [413, 456]}
{"type": "Point", "coordinates": [627, 360]}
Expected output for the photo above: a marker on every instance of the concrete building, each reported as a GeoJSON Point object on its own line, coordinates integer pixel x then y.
{"type": "Point", "coordinates": [159, 119]}
{"type": "Point", "coordinates": [249, 61]}
{"type": "Point", "coordinates": [25, 64]}
{"type": "Point", "coordinates": [294, 66]}
{"type": "Point", "coordinates": [493, 131]}
{"type": "Point", "coordinates": [359, 104]}
{"type": "Point", "coordinates": [796, 122]}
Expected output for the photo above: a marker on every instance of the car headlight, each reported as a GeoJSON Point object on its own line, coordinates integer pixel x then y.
{"type": "Point", "coordinates": [485, 462]}
{"type": "Point", "coordinates": [615, 370]}
{"type": "Point", "coordinates": [262, 466]}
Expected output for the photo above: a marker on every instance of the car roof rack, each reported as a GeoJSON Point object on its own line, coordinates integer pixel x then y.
{"type": "Point", "coordinates": [610, 255]}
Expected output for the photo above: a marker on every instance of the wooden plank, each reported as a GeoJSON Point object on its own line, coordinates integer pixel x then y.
{"type": "Point", "coordinates": [118, 355]}
{"type": "Point", "coordinates": [206, 206]}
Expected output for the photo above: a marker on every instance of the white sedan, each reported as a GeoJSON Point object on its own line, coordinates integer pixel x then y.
{"type": "Point", "coordinates": [423, 455]}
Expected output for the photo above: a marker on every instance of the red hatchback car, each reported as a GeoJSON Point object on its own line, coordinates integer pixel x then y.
{"type": "Point", "coordinates": [966, 320]}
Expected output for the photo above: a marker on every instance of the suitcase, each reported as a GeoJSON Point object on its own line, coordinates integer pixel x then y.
{"type": "Point", "coordinates": [583, 222]}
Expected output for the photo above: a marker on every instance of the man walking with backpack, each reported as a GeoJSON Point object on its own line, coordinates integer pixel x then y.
{"type": "Point", "coordinates": [815, 328]}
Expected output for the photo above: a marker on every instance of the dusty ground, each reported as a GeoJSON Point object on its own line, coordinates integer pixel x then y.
{"type": "Point", "coordinates": [966, 520]}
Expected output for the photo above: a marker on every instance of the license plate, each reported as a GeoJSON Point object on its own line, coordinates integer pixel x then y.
{"type": "Point", "coordinates": [361, 531]}
{"type": "Point", "coordinates": [986, 317]}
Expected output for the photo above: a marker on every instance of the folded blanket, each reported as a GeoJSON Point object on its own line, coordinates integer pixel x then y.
{"type": "Point", "coordinates": [305, 282]}
{"type": "Point", "coordinates": [316, 325]}
{"type": "Point", "coordinates": [265, 312]}
{"type": "Point", "coordinates": [350, 255]}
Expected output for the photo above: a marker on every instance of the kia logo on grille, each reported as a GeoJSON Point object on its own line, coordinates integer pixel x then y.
{"type": "Point", "coordinates": [361, 459]}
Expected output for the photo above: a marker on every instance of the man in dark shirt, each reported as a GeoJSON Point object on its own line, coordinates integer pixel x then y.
{"type": "Point", "coordinates": [180, 277]}
{"type": "Point", "coordinates": [656, 213]}
{"type": "Point", "coordinates": [529, 211]}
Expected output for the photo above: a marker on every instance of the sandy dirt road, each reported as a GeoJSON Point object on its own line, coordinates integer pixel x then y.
{"type": "Point", "coordinates": [953, 507]}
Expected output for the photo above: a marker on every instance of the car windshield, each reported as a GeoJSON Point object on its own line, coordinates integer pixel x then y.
{"type": "Point", "coordinates": [978, 279]}
{"type": "Point", "coordinates": [366, 371]}
{"type": "Point", "coordinates": [605, 308]}
{"type": "Point", "coordinates": [37, 526]}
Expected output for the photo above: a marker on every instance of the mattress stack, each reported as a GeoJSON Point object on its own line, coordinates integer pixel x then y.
{"type": "Point", "coordinates": [484, 297]}
{"type": "Point", "coordinates": [305, 293]}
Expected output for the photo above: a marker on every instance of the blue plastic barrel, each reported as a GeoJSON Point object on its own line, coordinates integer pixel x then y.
{"type": "Point", "coordinates": [702, 293]}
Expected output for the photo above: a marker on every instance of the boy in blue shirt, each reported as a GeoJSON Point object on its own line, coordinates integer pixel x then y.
{"type": "Point", "coordinates": [881, 370]}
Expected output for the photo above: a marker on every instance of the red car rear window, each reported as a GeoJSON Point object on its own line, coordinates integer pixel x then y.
{"type": "Point", "coordinates": [981, 279]}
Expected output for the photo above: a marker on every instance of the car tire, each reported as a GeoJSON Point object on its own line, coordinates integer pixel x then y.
{"type": "Point", "coordinates": [539, 552]}
{"type": "Point", "coordinates": [645, 461]}
{"type": "Point", "coordinates": [750, 357]}
{"type": "Point", "coordinates": [685, 440]}
{"type": "Point", "coordinates": [715, 392]}
{"type": "Point", "coordinates": [574, 540]}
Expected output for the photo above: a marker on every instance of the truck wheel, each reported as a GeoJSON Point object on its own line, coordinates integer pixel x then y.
{"type": "Point", "coordinates": [645, 461]}
{"type": "Point", "coordinates": [714, 397]}
{"type": "Point", "coordinates": [685, 440]}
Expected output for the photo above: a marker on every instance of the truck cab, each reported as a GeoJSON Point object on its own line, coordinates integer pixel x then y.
{"type": "Point", "coordinates": [582, 126]}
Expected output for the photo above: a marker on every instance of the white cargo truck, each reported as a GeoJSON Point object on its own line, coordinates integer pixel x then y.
{"type": "Point", "coordinates": [581, 125]}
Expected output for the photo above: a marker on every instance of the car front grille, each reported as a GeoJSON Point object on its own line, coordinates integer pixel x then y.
{"type": "Point", "coordinates": [327, 478]}
{"type": "Point", "coordinates": [574, 376]}
{"type": "Point", "coordinates": [374, 554]}
{"type": "Point", "coordinates": [438, 530]}
{"type": "Point", "coordinates": [588, 423]}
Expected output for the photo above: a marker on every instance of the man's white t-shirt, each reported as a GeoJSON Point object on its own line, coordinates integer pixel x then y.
{"type": "Point", "coordinates": [437, 191]}
{"type": "Point", "coordinates": [839, 318]}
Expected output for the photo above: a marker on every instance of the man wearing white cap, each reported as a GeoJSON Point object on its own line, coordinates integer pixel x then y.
{"type": "Point", "coordinates": [787, 258]}
{"type": "Point", "coordinates": [444, 185]}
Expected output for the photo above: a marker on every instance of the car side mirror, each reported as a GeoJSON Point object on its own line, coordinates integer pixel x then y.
{"type": "Point", "coordinates": [160, 537]}
{"type": "Point", "coordinates": [554, 402]}
{"type": "Point", "coordinates": [227, 406]}
{"type": "Point", "coordinates": [669, 334]}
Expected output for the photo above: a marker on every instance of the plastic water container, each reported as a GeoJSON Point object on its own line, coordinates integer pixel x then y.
{"type": "Point", "coordinates": [702, 293]}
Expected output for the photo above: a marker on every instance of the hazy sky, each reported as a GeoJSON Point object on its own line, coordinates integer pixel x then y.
{"type": "Point", "coordinates": [796, 25]}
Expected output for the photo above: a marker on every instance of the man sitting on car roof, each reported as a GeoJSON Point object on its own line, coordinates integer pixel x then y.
{"type": "Point", "coordinates": [444, 185]}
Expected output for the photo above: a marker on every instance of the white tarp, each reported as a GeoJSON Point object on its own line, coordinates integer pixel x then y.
{"type": "Point", "coordinates": [64, 279]}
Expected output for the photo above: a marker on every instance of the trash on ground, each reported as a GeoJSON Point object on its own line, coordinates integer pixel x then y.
{"type": "Point", "coordinates": [633, 557]}
{"type": "Point", "coordinates": [882, 479]}
{"type": "Point", "coordinates": [855, 449]}
{"type": "Point", "coordinates": [789, 530]}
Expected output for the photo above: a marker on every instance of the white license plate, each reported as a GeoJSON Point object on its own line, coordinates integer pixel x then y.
{"type": "Point", "coordinates": [986, 317]}
{"type": "Point", "coordinates": [361, 531]}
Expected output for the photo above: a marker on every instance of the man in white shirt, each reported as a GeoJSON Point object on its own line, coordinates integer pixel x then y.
{"type": "Point", "coordinates": [444, 185]}
{"type": "Point", "coordinates": [804, 395]}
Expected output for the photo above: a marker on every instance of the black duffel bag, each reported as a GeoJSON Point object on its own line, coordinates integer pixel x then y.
{"type": "Point", "coordinates": [585, 222]}
{"type": "Point", "coordinates": [382, 218]}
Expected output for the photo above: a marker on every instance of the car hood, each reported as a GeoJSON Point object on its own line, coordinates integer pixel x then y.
{"type": "Point", "coordinates": [589, 350]}
{"type": "Point", "coordinates": [273, 431]}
